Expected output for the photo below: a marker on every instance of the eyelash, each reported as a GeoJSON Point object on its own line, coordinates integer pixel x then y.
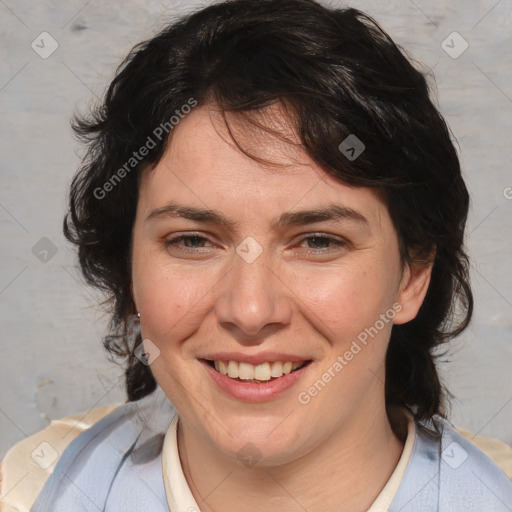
{"type": "Point", "coordinates": [337, 242]}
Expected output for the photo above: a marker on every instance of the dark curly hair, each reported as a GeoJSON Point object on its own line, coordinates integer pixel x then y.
{"type": "Point", "coordinates": [338, 73]}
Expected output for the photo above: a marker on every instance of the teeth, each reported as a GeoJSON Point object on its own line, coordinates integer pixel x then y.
{"type": "Point", "coordinates": [232, 369]}
{"type": "Point", "coordinates": [245, 371]}
{"type": "Point", "coordinates": [261, 372]}
{"type": "Point", "coordinates": [277, 369]}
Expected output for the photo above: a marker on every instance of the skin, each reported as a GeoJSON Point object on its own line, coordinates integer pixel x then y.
{"type": "Point", "coordinates": [299, 296]}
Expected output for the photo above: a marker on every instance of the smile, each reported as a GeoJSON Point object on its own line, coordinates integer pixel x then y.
{"type": "Point", "coordinates": [260, 373]}
{"type": "Point", "coordinates": [255, 383]}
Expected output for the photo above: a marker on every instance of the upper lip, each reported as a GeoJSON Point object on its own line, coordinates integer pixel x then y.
{"type": "Point", "coordinates": [254, 359]}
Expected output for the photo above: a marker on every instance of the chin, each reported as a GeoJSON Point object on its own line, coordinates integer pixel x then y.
{"type": "Point", "coordinates": [262, 442]}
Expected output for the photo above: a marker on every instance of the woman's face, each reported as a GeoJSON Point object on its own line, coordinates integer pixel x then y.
{"type": "Point", "coordinates": [254, 281]}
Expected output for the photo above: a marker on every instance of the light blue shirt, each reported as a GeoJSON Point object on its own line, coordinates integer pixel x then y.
{"type": "Point", "coordinates": [116, 466]}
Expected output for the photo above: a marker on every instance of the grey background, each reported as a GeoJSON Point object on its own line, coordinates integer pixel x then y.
{"type": "Point", "coordinates": [53, 363]}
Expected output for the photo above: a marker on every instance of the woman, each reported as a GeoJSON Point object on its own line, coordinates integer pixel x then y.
{"type": "Point", "coordinates": [277, 212]}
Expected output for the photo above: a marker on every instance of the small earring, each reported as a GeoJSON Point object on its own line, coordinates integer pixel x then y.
{"type": "Point", "coordinates": [135, 319]}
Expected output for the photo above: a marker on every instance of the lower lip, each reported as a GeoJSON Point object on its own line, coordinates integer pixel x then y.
{"type": "Point", "coordinates": [253, 392]}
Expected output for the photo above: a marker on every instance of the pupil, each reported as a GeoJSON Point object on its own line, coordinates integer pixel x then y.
{"type": "Point", "coordinates": [323, 240]}
{"type": "Point", "coordinates": [190, 239]}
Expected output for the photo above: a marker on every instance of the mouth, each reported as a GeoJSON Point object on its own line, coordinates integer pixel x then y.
{"type": "Point", "coordinates": [256, 374]}
{"type": "Point", "coordinates": [267, 376]}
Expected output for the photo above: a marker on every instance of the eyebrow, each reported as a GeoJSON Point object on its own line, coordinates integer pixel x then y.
{"type": "Point", "coordinates": [331, 212]}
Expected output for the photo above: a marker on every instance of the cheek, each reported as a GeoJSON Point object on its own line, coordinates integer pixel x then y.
{"type": "Point", "coordinates": [172, 299]}
{"type": "Point", "coordinates": [341, 302]}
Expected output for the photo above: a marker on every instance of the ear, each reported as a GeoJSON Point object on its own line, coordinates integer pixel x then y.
{"type": "Point", "coordinates": [412, 290]}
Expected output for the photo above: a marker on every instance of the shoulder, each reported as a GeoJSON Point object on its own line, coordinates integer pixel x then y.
{"type": "Point", "coordinates": [448, 473]}
{"type": "Point", "coordinates": [498, 451]}
{"type": "Point", "coordinates": [485, 453]}
{"type": "Point", "coordinates": [89, 458]}
{"type": "Point", "coordinates": [465, 465]}
{"type": "Point", "coordinates": [28, 464]}
{"type": "Point", "coordinates": [111, 460]}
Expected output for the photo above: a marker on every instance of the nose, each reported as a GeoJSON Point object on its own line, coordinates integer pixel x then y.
{"type": "Point", "coordinates": [253, 301]}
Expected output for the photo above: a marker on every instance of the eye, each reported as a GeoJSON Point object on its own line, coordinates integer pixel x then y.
{"type": "Point", "coordinates": [193, 242]}
{"type": "Point", "coordinates": [321, 243]}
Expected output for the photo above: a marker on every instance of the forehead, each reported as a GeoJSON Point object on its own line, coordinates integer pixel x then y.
{"type": "Point", "coordinates": [203, 166]}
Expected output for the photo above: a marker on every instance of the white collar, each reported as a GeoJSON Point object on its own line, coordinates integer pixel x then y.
{"type": "Point", "coordinates": [179, 496]}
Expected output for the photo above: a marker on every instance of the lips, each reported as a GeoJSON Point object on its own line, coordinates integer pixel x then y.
{"type": "Point", "coordinates": [254, 390]}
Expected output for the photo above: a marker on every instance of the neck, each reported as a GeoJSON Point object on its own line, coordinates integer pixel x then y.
{"type": "Point", "coordinates": [356, 462]}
